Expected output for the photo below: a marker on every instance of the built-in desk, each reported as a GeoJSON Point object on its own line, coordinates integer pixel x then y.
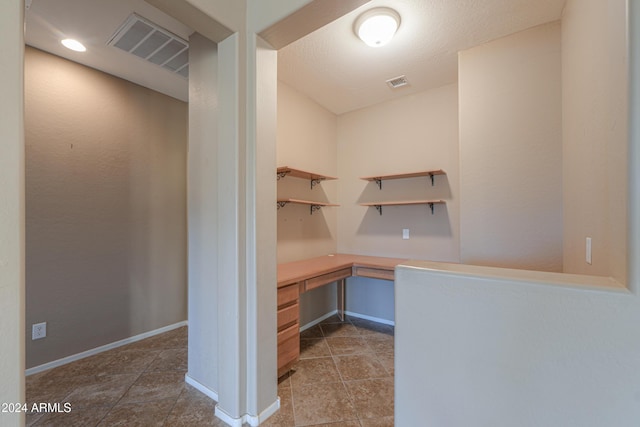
{"type": "Point", "coordinates": [298, 277]}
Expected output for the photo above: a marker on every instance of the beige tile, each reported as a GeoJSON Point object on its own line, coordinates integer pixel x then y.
{"type": "Point", "coordinates": [372, 398]}
{"type": "Point", "coordinates": [89, 366]}
{"type": "Point", "coordinates": [360, 367]}
{"type": "Point", "coordinates": [284, 416]}
{"type": "Point", "coordinates": [49, 387]}
{"type": "Point", "coordinates": [347, 345]}
{"type": "Point", "coordinates": [322, 403]}
{"type": "Point", "coordinates": [377, 422]}
{"type": "Point", "coordinates": [313, 347]}
{"type": "Point", "coordinates": [339, 330]}
{"type": "Point", "coordinates": [155, 386]}
{"type": "Point", "coordinates": [351, 423]}
{"type": "Point", "coordinates": [129, 362]}
{"type": "Point", "coordinates": [146, 414]}
{"type": "Point", "coordinates": [335, 319]}
{"type": "Point", "coordinates": [193, 408]}
{"type": "Point", "coordinates": [313, 371]}
{"type": "Point", "coordinates": [77, 417]}
{"type": "Point", "coordinates": [103, 391]}
{"type": "Point", "coordinates": [312, 332]}
{"type": "Point", "coordinates": [32, 418]}
{"type": "Point", "coordinates": [380, 343]}
{"type": "Point", "coordinates": [386, 359]}
{"type": "Point", "coordinates": [367, 327]}
{"type": "Point", "coordinates": [170, 360]}
{"type": "Point", "coordinates": [176, 338]}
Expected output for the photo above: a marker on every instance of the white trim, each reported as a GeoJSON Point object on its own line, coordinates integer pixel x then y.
{"type": "Point", "coordinates": [94, 351]}
{"type": "Point", "coordinates": [318, 320]}
{"type": "Point", "coordinates": [233, 422]}
{"type": "Point", "coordinates": [201, 387]}
{"type": "Point", "coordinates": [373, 319]}
{"type": "Point", "coordinates": [270, 410]}
{"type": "Point", "coordinates": [252, 420]}
{"type": "Point", "coordinates": [348, 313]}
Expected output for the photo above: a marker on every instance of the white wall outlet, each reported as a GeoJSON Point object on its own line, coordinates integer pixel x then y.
{"type": "Point", "coordinates": [405, 233]}
{"type": "Point", "coordinates": [38, 330]}
{"type": "Point", "coordinates": [588, 250]}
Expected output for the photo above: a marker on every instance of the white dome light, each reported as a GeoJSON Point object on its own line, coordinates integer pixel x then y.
{"type": "Point", "coordinates": [73, 45]}
{"type": "Point", "coordinates": [376, 27]}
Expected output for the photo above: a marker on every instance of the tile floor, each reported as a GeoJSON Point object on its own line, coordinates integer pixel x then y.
{"type": "Point", "coordinates": [344, 378]}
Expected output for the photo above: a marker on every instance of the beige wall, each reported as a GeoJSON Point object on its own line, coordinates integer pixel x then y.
{"type": "Point", "coordinates": [594, 70]}
{"type": "Point", "coordinates": [307, 140]}
{"type": "Point", "coordinates": [106, 207]}
{"type": "Point", "coordinates": [409, 134]}
{"type": "Point", "coordinates": [11, 211]}
{"type": "Point", "coordinates": [511, 151]}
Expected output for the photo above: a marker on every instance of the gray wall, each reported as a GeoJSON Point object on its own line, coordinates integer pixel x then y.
{"type": "Point", "coordinates": [106, 208]}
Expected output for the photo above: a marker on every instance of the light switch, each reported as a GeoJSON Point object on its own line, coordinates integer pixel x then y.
{"type": "Point", "coordinates": [405, 233]}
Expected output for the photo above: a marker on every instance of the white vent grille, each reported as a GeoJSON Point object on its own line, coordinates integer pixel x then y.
{"type": "Point", "coordinates": [397, 82]}
{"type": "Point", "coordinates": [153, 43]}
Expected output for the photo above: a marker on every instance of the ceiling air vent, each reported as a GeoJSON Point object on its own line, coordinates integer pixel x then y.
{"type": "Point", "coordinates": [397, 82]}
{"type": "Point", "coordinates": [152, 43]}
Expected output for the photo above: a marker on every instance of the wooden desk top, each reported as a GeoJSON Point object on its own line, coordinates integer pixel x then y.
{"type": "Point", "coordinates": [297, 271]}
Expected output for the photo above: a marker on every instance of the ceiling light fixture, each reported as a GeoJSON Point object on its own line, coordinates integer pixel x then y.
{"type": "Point", "coordinates": [73, 45]}
{"type": "Point", "coordinates": [377, 26]}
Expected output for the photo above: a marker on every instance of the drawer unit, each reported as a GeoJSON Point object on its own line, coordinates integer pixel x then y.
{"type": "Point", "coordinates": [288, 348]}
{"type": "Point", "coordinates": [288, 327]}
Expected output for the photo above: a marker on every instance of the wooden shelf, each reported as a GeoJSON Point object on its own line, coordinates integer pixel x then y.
{"type": "Point", "coordinates": [379, 178]}
{"type": "Point", "coordinates": [313, 206]}
{"type": "Point", "coordinates": [315, 178]}
{"type": "Point", "coordinates": [379, 205]}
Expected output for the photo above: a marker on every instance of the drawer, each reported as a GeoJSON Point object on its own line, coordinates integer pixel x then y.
{"type": "Point", "coordinates": [375, 273]}
{"type": "Point", "coordinates": [291, 331]}
{"type": "Point", "coordinates": [327, 278]}
{"type": "Point", "coordinates": [288, 294]}
{"type": "Point", "coordinates": [288, 315]}
{"type": "Point", "coordinates": [288, 349]}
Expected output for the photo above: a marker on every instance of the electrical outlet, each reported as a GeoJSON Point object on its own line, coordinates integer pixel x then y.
{"type": "Point", "coordinates": [38, 330]}
{"type": "Point", "coordinates": [405, 233]}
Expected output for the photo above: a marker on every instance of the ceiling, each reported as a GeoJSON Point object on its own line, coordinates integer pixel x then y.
{"type": "Point", "coordinates": [331, 65]}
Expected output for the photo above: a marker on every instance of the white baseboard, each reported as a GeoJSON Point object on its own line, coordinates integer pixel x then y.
{"type": "Point", "coordinates": [201, 387]}
{"type": "Point", "coordinates": [348, 313]}
{"type": "Point", "coordinates": [270, 410]}
{"type": "Point", "coordinates": [94, 351]}
{"type": "Point", "coordinates": [373, 319]}
{"type": "Point", "coordinates": [252, 420]}
{"type": "Point", "coordinates": [318, 320]}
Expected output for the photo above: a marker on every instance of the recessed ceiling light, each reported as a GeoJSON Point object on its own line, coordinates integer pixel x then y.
{"type": "Point", "coordinates": [73, 45]}
{"type": "Point", "coordinates": [376, 27]}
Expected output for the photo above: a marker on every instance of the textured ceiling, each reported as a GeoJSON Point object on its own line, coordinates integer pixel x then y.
{"type": "Point", "coordinates": [337, 70]}
{"type": "Point", "coordinates": [331, 65]}
{"type": "Point", "coordinates": [93, 22]}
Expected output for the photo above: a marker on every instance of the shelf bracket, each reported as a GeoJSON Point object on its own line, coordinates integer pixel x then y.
{"type": "Point", "coordinates": [281, 204]}
{"type": "Point", "coordinates": [431, 206]}
{"type": "Point", "coordinates": [432, 180]}
{"type": "Point", "coordinates": [379, 182]}
{"type": "Point", "coordinates": [378, 208]}
{"type": "Point", "coordinates": [283, 174]}
{"type": "Point", "coordinates": [315, 181]}
{"type": "Point", "coordinates": [314, 208]}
